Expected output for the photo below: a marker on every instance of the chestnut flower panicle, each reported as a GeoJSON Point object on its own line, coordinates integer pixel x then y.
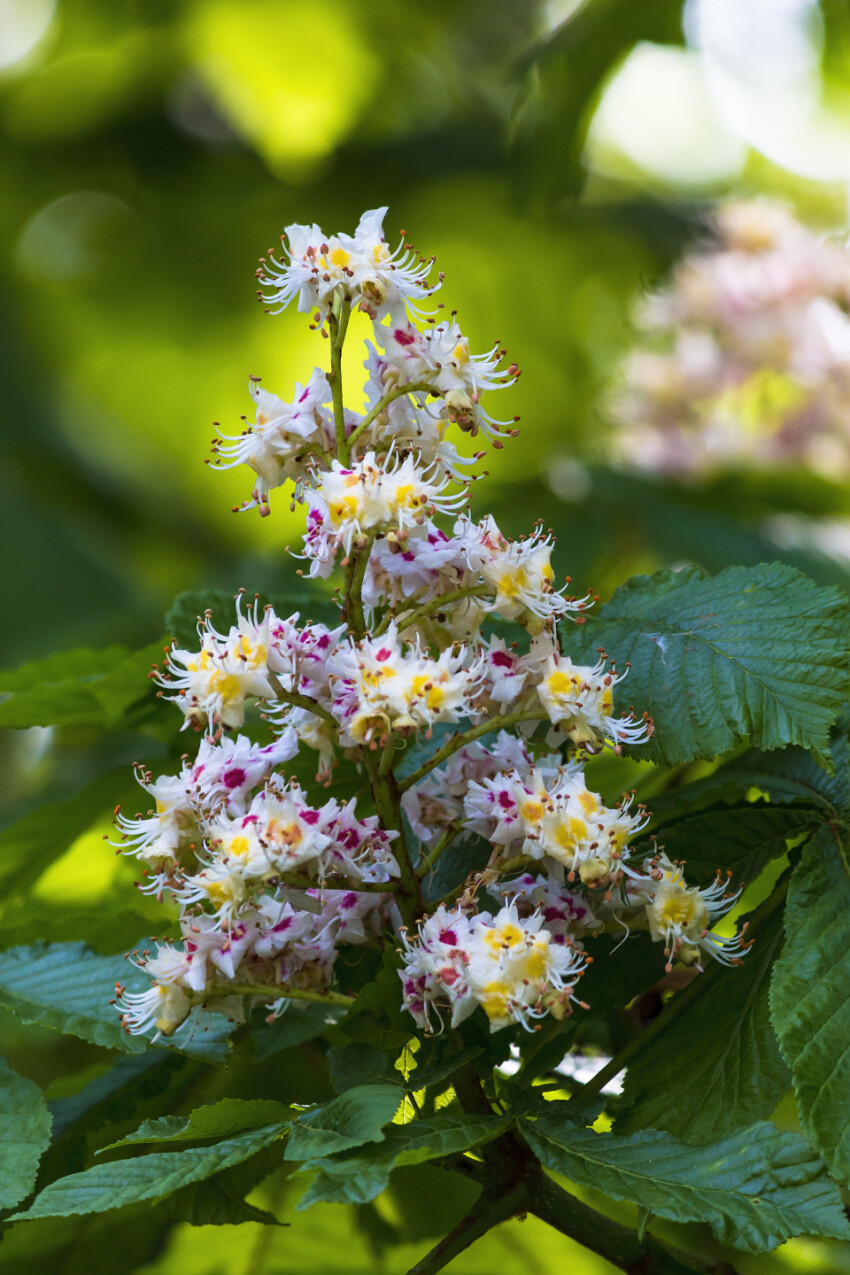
{"type": "Point", "coordinates": [445, 699]}
{"type": "Point", "coordinates": [743, 357]}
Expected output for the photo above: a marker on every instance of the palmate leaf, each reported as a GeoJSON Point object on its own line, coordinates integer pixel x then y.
{"type": "Point", "coordinates": [68, 987]}
{"type": "Point", "coordinates": [28, 846]}
{"type": "Point", "coordinates": [354, 1118]}
{"type": "Point", "coordinates": [810, 994]}
{"type": "Point", "coordinates": [115, 1092]}
{"type": "Point", "coordinates": [791, 775]}
{"type": "Point", "coordinates": [741, 839]}
{"type": "Point", "coordinates": [216, 1120]}
{"type": "Point", "coordinates": [755, 1189]}
{"type": "Point", "coordinates": [361, 1064]}
{"type": "Point", "coordinates": [82, 687]}
{"type": "Point", "coordinates": [714, 1064]}
{"type": "Point", "coordinates": [181, 620]}
{"type": "Point", "coordinates": [361, 1176]}
{"type": "Point", "coordinates": [213, 1203]}
{"type": "Point", "coordinates": [24, 1134]}
{"type": "Point", "coordinates": [146, 1177]}
{"type": "Point", "coordinates": [755, 653]}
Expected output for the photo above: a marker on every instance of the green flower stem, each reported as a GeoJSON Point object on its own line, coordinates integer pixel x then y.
{"type": "Point", "coordinates": [338, 323]}
{"type": "Point", "coordinates": [511, 866]}
{"type": "Point", "coordinates": [300, 701]}
{"type": "Point", "coordinates": [488, 1211]}
{"type": "Point", "coordinates": [296, 882]}
{"type": "Point", "coordinates": [271, 991]}
{"type": "Point", "coordinates": [439, 848]}
{"type": "Point", "coordinates": [386, 763]}
{"type": "Point", "coordinates": [428, 608]}
{"type": "Point", "coordinates": [383, 404]}
{"type": "Point", "coordinates": [386, 793]}
{"type": "Point", "coordinates": [354, 573]}
{"type": "Point", "coordinates": [387, 797]}
{"type": "Point", "coordinates": [467, 737]}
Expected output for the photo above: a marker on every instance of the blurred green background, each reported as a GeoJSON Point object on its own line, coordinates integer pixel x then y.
{"type": "Point", "coordinates": [556, 157]}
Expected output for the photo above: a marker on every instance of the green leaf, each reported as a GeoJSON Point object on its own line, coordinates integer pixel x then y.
{"type": "Point", "coordinates": [376, 1016]}
{"type": "Point", "coordinates": [361, 1064]}
{"type": "Point", "coordinates": [220, 1200]}
{"type": "Point", "coordinates": [211, 1203]}
{"type": "Point", "coordinates": [217, 1120]}
{"type": "Point", "coordinates": [356, 1179]}
{"type": "Point", "coordinates": [146, 1177]}
{"type": "Point", "coordinates": [355, 1117]}
{"type": "Point", "coordinates": [741, 838]}
{"type": "Point", "coordinates": [755, 653]}
{"type": "Point", "coordinates": [82, 687]}
{"type": "Point", "coordinates": [182, 618]}
{"type": "Point", "coordinates": [300, 1023]}
{"type": "Point", "coordinates": [714, 1065]}
{"type": "Point", "coordinates": [432, 1064]}
{"type": "Point", "coordinates": [467, 854]}
{"type": "Point", "coordinates": [810, 994]}
{"type": "Point", "coordinates": [791, 775]}
{"type": "Point", "coordinates": [755, 1189]}
{"type": "Point", "coordinates": [109, 1098]}
{"type": "Point", "coordinates": [28, 846]}
{"type": "Point", "coordinates": [24, 1135]}
{"type": "Point", "coordinates": [436, 1063]}
{"type": "Point", "coordinates": [68, 987]}
{"type": "Point", "coordinates": [115, 1092]}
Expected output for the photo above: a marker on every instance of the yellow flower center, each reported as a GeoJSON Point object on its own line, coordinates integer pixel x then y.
{"type": "Point", "coordinates": [226, 685]}
{"type": "Point", "coordinates": [503, 936]}
{"type": "Point", "coordinates": [560, 683]}
{"type": "Point", "coordinates": [494, 998]}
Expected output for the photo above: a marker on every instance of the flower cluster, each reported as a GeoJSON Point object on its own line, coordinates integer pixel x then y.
{"type": "Point", "coordinates": [744, 357]}
{"type": "Point", "coordinates": [513, 967]}
{"type": "Point", "coordinates": [224, 842]}
{"type": "Point", "coordinates": [560, 822]}
{"type": "Point", "coordinates": [457, 732]}
{"type": "Point", "coordinates": [320, 269]}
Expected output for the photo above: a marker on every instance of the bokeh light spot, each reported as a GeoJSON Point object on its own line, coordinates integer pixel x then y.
{"type": "Point", "coordinates": [62, 241]}
{"type": "Point", "coordinates": [290, 78]}
{"type": "Point", "coordinates": [23, 25]}
{"type": "Point", "coordinates": [658, 115]}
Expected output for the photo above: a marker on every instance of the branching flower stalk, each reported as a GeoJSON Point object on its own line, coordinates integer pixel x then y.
{"type": "Point", "coordinates": [272, 881]}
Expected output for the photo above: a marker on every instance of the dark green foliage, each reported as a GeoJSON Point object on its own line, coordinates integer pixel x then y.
{"type": "Point", "coordinates": [755, 1188]}
{"type": "Point", "coordinates": [355, 1117]}
{"type": "Point", "coordinates": [187, 609]}
{"type": "Point", "coordinates": [219, 1120]}
{"type": "Point", "coordinates": [31, 844]}
{"type": "Point", "coordinates": [146, 1177]}
{"type": "Point", "coordinates": [740, 839]}
{"type": "Point", "coordinates": [24, 1135]}
{"type": "Point", "coordinates": [756, 654]}
{"type": "Point", "coordinates": [66, 986]}
{"type": "Point", "coordinates": [810, 994]}
{"type": "Point", "coordinates": [713, 1066]}
{"type": "Point", "coordinates": [77, 688]}
{"type": "Point", "coordinates": [359, 1177]}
